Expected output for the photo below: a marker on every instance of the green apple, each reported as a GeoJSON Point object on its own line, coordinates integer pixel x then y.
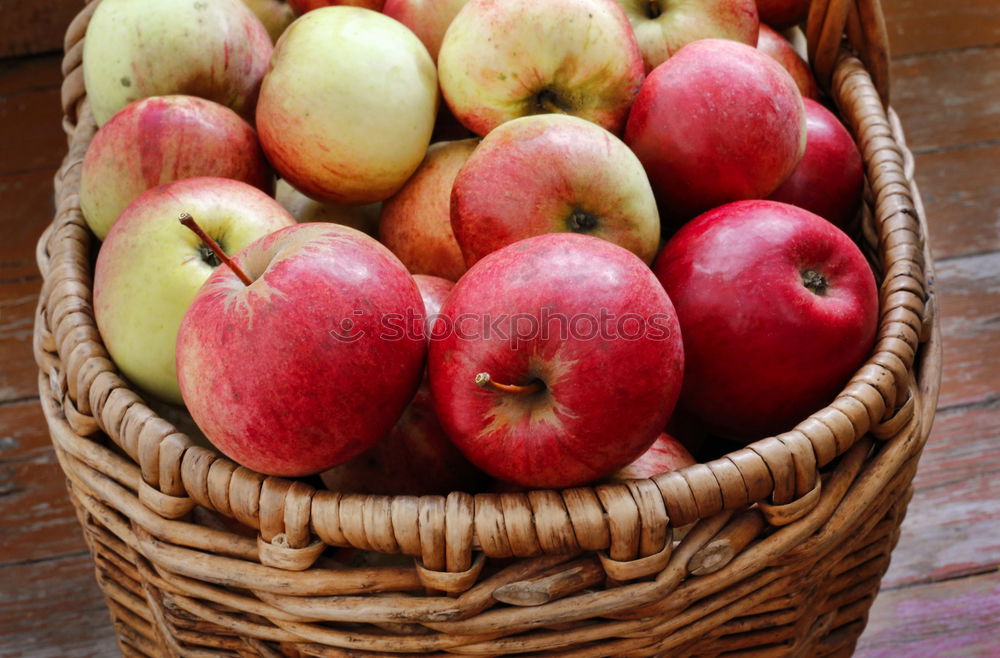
{"type": "Point", "coordinates": [347, 109]}
{"type": "Point", "coordinates": [150, 267]}
{"type": "Point", "coordinates": [215, 49]}
{"type": "Point", "coordinates": [364, 218]}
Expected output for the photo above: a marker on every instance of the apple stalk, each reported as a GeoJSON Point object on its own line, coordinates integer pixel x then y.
{"type": "Point", "coordinates": [187, 220]}
{"type": "Point", "coordinates": [483, 380]}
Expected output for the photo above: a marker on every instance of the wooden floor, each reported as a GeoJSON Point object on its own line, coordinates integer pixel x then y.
{"type": "Point", "coordinates": [941, 596]}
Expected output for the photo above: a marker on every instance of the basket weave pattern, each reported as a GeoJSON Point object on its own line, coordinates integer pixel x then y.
{"type": "Point", "coordinates": [775, 549]}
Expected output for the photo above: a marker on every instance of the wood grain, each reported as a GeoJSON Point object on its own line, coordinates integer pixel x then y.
{"type": "Point", "coordinates": [919, 26]}
{"type": "Point", "coordinates": [961, 193]}
{"type": "Point", "coordinates": [950, 528]}
{"type": "Point", "coordinates": [56, 610]}
{"type": "Point", "coordinates": [949, 618]}
{"type": "Point", "coordinates": [26, 196]}
{"type": "Point", "coordinates": [19, 375]}
{"type": "Point", "coordinates": [970, 321]}
{"type": "Point", "coordinates": [948, 99]}
{"type": "Point", "coordinates": [27, 118]}
{"type": "Point", "coordinates": [35, 27]}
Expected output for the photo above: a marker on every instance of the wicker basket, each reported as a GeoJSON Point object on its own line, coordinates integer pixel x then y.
{"type": "Point", "coordinates": [783, 543]}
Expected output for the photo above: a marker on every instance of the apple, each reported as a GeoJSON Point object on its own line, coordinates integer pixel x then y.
{"type": "Point", "coordinates": [276, 15]}
{"type": "Point", "coordinates": [662, 27]}
{"type": "Point", "coordinates": [150, 267]}
{"type": "Point", "coordinates": [134, 49]}
{"type": "Point", "coordinates": [347, 109]}
{"type": "Point", "coordinates": [719, 121]}
{"type": "Point", "coordinates": [428, 19]}
{"type": "Point", "coordinates": [555, 361]}
{"type": "Point", "coordinates": [552, 173]}
{"type": "Point", "coordinates": [302, 6]}
{"type": "Point", "coordinates": [304, 210]}
{"type": "Point", "coordinates": [777, 307]}
{"type": "Point", "coordinates": [312, 362]}
{"type": "Point", "coordinates": [779, 48]}
{"type": "Point", "coordinates": [782, 14]}
{"type": "Point", "coordinates": [829, 179]}
{"type": "Point", "coordinates": [416, 457]}
{"type": "Point", "coordinates": [162, 139]}
{"type": "Point", "coordinates": [416, 221]}
{"type": "Point", "coordinates": [666, 454]}
{"type": "Point", "coordinates": [503, 60]}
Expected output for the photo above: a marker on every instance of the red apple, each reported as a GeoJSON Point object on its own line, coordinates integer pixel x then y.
{"type": "Point", "coordinates": [782, 14]}
{"type": "Point", "coordinates": [311, 363]}
{"type": "Point", "coordinates": [416, 221]}
{"type": "Point", "coordinates": [778, 308]}
{"type": "Point", "coordinates": [720, 121]}
{"type": "Point", "coordinates": [829, 179]}
{"type": "Point", "coordinates": [302, 6]}
{"type": "Point", "coordinates": [556, 361]}
{"type": "Point", "coordinates": [666, 454]}
{"type": "Point", "coordinates": [779, 49]}
{"type": "Point", "coordinates": [163, 139]}
{"type": "Point", "coordinates": [552, 173]}
{"type": "Point", "coordinates": [662, 27]}
{"type": "Point", "coordinates": [416, 457]}
{"type": "Point", "coordinates": [428, 19]}
{"type": "Point", "coordinates": [506, 59]}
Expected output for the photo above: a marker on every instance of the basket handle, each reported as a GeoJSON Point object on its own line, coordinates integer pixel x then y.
{"type": "Point", "coordinates": [863, 24]}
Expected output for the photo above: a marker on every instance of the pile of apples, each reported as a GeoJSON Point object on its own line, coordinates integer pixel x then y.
{"type": "Point", "coordinates": [627, 206]}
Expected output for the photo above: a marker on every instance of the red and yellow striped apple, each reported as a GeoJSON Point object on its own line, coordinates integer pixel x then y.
{"type": "Point", "coordinates": [503, 59]}
{"type": "Point", "coordinates": [552, 173]}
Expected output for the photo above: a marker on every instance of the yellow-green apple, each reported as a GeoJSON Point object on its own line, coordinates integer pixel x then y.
{"type": "Point", "coordinates": [305, 210]}
{"type": "Point", "coordinates": [666, 454]}
{"type": "Point", "coordinates": [428, 19]}
{"type": "Point", "coordinates": [662, 27]}
{"type": "Point", "coordinates": [552, 173]}
{"type": "Point", "coordinates": [719, 121]}
{"type": "Point", "coordinates": [779, 48]}
{"type": "Point", "coordinates": [162, 139]}
{"type": "Point", "coordinates": [416, 221]}
{"type": "Point", "coordinates": [777, 307]}
{"type": "Point", "coordinates": [503, 59]}
{"type": "Point", "coordinates": [416, 457]}
{"type": "Point", "coordinates": [134, 49]}
{"type": "Point", "coordinates": [347, 108]}
{"type": "Point", "coordinates": [150, 267]}
{"type": "Point", "coordinates": [555, 361]}
{"type": "Point", "coordinates": [312, 362]}
{"type": "Point", "coordinates": [302, 6]}
{"type": "Point", "coordinates": [829, 179]}
{"type": "Point", "coordinates": [276, 15]}
{"type": "Point", "coordinates": [782, 14]}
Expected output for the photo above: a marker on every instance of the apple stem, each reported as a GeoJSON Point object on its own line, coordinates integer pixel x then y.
{"type": "Point", "coordinates": [815, 282]}
{"type": "Point", "coordinates": [653, 9]}
{"type": "Point", "coordinates": [483, 380]}
{"type": "Point", "coordinates": [187, 220]}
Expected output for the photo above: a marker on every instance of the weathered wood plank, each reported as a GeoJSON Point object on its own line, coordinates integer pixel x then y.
{"type": "Point", "coordinates": [30, 132]}
{"type": "Point", "coordinates": [970, 322]}
{"type": "Point", "coordinates": [951, 525]}
{"type": "Point", "coordinates": [38, 518]}
{"type": "Point", "coordinates": [35, 27]}
{"type": "Point", "coordinates": [19, 375]}
{"type": "Point", "coordinates": [918, 26]}
{"type": "Point", "coordinates": [54, 610]}
{"type": "Point", "coordinates": [961, 193]}
{"type": "Point", "coordinates": [948, 99]}
{"type": "Point", "coordinates": [28, 197]}
{"type": "Point", "coordinates": [950, 618]}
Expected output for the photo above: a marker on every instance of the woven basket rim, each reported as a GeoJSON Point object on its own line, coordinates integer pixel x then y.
{"type": "Point", "coordinates": [790, 462]}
